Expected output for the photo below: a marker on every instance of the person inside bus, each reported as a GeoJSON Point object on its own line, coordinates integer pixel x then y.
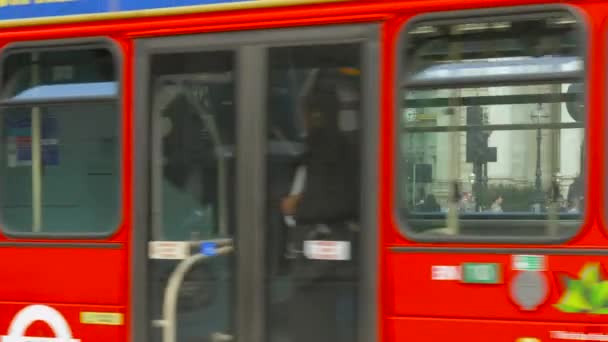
{"type": "Point", "coordinates": [576, 190]}
{"type": "Point", "coordinates": [496, 206]}
{"type": "Point", "coordinates": [324, 206]}
{"type": "Point", "coordinates": [429, 204]}
{"type": "Point", "coordinates": [325, 147]}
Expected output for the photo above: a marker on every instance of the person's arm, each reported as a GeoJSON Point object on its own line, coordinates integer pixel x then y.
{"type": "Point", "coordinates": [299, 181]}
{"type": "Point", "coordinates": [289, 204]}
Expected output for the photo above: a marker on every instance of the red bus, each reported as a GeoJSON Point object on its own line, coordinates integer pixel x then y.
{"type": "Point", "coordinates": [230, 170]}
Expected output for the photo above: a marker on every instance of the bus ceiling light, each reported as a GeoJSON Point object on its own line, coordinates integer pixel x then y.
{"type": "Point", "coordinates": [561, 21]}
{"type": "Point", "coordinates": [465, 28]}
{"type": "Point", "coordinates": [485, 68]}
{"type": "Point", "coordinates": [527, 339]}
{"type": "Point", "coordinates": [504, 25]}
{"type": "Point", "coordinates": [424, 30]}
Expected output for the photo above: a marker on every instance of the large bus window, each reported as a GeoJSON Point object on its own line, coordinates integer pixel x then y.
{"type": "Point", "coordinates": [492, 128]}
{"type": "Point", "coordinates": [60, 142]}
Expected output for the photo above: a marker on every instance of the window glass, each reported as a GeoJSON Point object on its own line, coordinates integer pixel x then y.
{"type": "Point", "coordinates": [59, 163]}
{"type": "Point", "coordinates": [313, 176]}
{"type": "Point", "coordinates": [33, 73]}
{"type": "Point", "coordinates": [492, 127]}
{"type": "Point", "coordinates": [196, 125]}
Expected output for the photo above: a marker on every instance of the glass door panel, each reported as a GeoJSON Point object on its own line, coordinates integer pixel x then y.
{"type": "Point", "coordinates": [313, 168]}
{"type": "Point", "coordinates": [193, 164]}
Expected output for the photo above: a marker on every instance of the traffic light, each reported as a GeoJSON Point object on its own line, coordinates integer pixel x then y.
{"type": "Point", "coordinates": [477, 139]}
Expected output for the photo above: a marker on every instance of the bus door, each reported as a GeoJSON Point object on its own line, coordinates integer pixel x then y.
{"type": "Point", "coordinates": [189, 274]}
{"type": "Point", "coordinates": [249, 168]}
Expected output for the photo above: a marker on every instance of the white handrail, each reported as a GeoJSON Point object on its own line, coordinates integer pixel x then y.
{"type": "Point", "coordinates": [36, 144]}
{"type": "Point", "coordinates": [169, 320]}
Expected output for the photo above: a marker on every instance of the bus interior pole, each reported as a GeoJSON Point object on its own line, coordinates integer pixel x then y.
{"type": "Point", "coordinates": [454, 103]}
{"type": "Point", "coordinates": [36, 127]}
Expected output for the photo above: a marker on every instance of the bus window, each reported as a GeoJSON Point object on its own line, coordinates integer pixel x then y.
{"type": "Point", "coordinates": [60, 170]}
{"type": "Point", "coordinates": [492, 128]}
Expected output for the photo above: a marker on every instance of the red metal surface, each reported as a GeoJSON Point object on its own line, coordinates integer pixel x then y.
{"type": "Point", "coordinates": [412, 306]}
{"type": "Point", "coordinates": [433, 329]}
{"type": "Point", "coordinates": [417, 295]}
{"type": "Point", "coordinates": [57, 275]}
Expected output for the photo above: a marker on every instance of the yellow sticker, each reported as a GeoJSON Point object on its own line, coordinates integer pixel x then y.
{"type": "Point", "coordinates": [350, 71]}
{"type": "Point", "coordinates": [102, 318]}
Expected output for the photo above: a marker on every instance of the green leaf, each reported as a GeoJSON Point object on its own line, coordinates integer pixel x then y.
{"type": "Point", "coordinates": [575, 285]}
{"type": "Point", "coordinates": [590, 275]}
{"type": "Point", "coordinates": [566, 308]}
{"type": "Point", "coordinates": [574, 298]}
{"type": "Point", "coordinates": [595, 297]}
{"type": "Point", "coordinates": [600, 311]}
{"type": "Point", "coordinates": [598, 296]}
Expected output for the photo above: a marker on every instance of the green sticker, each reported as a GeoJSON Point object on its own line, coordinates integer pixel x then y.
{"type": "Point", "coordinates": [481, 273]}
{"type": "Point", "coordinates": [533, 263]}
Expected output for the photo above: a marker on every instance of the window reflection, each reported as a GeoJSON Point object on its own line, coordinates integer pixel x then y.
{"type": "Point", "coordinates": [500, 154]}
{"type": "Point", "coordinates": [196, 134]}
{"type": "Point", "coordinates": [60, 164]}
{"type": "Point", "coordinates": [511, 149]}
{"type": "Point", "coordinates": [313, 191]}
{"type": "Point", "coordinates": [27, 72]}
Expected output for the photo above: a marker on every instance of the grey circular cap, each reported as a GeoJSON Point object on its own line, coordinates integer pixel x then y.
{"type": "Point", "coordinates": [529, 289]}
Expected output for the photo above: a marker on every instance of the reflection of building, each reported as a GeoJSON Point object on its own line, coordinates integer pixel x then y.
{"type": "Point", "coordinates": [516, 145]}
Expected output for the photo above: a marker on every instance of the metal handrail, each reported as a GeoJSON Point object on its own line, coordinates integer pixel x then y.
{"type": "Point", "coordinates": [222, 168]}
{"type": "Point", "coordinates": [169, 320]}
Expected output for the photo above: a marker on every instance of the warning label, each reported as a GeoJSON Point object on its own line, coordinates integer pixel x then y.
{"type": "Point", "coordinates": [327, 250]}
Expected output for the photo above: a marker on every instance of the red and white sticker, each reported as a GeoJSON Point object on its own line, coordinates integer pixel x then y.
{"type": "Point", "coordinates": [168, 250]}
{"type": "Point", "coordinates": [327, 250]}
{"type": "Point", "coordinates": [441, 272]}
